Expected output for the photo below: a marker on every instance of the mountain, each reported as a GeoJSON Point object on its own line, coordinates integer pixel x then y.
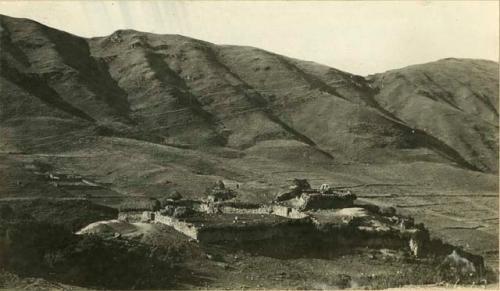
{"type": "Point", "coordinates": [212, 105]}
{"type": "Point", "coordinates": [176, 90]}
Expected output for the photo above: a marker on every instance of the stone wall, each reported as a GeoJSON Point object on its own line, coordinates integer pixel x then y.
{"type": "Point", "coordinates": [186, 228]}
{"type": "Point", "coordinates": [280, 210]}
{"type": "Point", "coordinates": [287, 212]}
{"type": "Point", "coordinates": [234, 233]}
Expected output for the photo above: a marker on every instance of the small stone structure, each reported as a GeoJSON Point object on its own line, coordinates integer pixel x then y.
{"type": "Point", "coordinates": [301, 196]}
{"type": "Point", "coordinates": [219, 192]}
{"type": "Point", "coordinates": [138, 209]}
{"type": "Point", "coordinates": [298, 187]}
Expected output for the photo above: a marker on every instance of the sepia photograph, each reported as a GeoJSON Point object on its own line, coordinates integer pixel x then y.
{"type": "Point", "coordinates": [249, 145]}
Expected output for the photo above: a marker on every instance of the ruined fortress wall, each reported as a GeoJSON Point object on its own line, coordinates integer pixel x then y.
{"type": "Point", "coordinates": [279, 210]}
{"type": "Point", "coordinates": [181, 226]}
{"type": "Point", "coordinates": [297, 229]}
{"type": "Point", "coordinates": [291, 233]}
{"type": "Point", "coordinates": [207, 207]}
{"type": "Point", "coordinates": [235, 210]}
{"type": "Point", "coordinates": [238, 233]}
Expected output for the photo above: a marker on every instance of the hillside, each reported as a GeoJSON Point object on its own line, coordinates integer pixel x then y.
{"type": "Point", "coordinates": [170, 89]}
{"type": "Point", "coordinates": [454, 100]}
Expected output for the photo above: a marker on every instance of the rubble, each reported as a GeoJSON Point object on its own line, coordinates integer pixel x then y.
{"type": "Point", "coordinates": [301, 196]}
{"type": "Point", "coordinates": [295, 190]}
{"type": "Point", "coordinates": [219, 192]}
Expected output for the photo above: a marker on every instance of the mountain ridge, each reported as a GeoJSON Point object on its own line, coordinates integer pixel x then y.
{"type": "Point", "coordinates": [172, 89]}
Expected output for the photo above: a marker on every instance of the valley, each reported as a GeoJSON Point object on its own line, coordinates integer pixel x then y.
{"type": "Point", "coordinates": [136, 115]}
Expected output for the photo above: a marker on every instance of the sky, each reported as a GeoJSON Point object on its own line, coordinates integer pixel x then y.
{"type": "Point", "coordinates": [359, 37]}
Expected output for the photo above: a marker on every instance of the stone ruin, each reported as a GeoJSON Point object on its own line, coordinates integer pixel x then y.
{"type": "Point", "coordinates": [311, 218]}
{"type": "Point", "coordinates": [301, 196]}
{"type": "Point", "coordinates": [219, 192]}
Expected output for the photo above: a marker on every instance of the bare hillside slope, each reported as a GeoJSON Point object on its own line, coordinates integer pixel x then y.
{"type": "Point", "coordinates": [455, 100]}
{"type": "Point", "coordinates": [174, 90]}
